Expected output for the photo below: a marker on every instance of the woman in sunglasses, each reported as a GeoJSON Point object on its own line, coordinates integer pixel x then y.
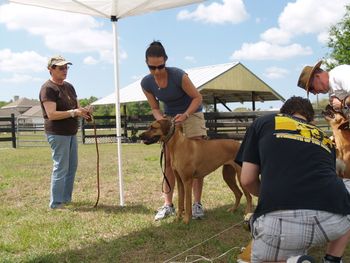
{"type": "Point", "coordinates": [61, 111]}
{"type": "Point", "coordinates": [183, 102]}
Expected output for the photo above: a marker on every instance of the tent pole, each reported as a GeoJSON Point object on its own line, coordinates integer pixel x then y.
{"type": "Point", "coordinates": [117, 108]}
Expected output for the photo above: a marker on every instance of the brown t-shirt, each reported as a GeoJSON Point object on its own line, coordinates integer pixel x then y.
{"type": "Point", "coordinates": [65, 98]}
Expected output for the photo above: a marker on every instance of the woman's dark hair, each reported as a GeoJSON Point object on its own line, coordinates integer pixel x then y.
{"type": "Point", "coordinates": [298, 105]}
{"type": "Point", "coordinates": [156, 49]}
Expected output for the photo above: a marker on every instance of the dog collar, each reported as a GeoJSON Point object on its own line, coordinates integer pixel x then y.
{"type": "Point", "coordinates": [171, 131]}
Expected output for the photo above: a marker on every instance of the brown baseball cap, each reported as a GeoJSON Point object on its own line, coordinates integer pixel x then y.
{"type": "Point", "coordinates": [58, 61]}
{"type": "Point", "coordinates": [306, 75]}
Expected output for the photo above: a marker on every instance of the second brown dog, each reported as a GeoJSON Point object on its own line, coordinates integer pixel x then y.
{"type": "Point", "coordinates": [195, 159]}
{"type": "Point", "coordinates": [341, 133]}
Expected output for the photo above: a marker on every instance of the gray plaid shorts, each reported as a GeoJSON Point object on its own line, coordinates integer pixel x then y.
{"type": "Point", "coordinates": [281, 234]}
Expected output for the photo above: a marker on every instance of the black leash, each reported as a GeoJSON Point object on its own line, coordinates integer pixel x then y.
{"type": "Point", "coordinates": [97, 165]}
{"type": "Point", "coordinates": [92, 119]}
{"type": "Point", "coordinates": [163, 153]}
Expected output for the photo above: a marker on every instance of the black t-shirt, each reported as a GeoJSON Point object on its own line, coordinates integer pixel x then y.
{"type": "Point", "coordinates": [297, 166]}
{"type": "Point", "coordinates": [65, 98]}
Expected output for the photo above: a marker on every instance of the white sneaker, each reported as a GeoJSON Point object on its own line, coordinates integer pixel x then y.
{"type": "Point", "coordinates": [197, 211]}
{"type": "Point", "coordinates": [164, 211]}
{"type": "Point", "coordinates": [301, 259]}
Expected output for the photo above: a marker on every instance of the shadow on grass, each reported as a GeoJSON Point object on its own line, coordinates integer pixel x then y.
{"type": "Point", "coordinates": [216, 234]}
{"type": "Point", "coordinates": [110, 209]}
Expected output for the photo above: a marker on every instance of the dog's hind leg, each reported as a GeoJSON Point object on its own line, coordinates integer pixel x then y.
{"type": "Point", "coordinates": [188, 180]}
{"type": "Point", "coordinates": [180, 198]}
{"type": "Point", "coordinates": [229, 175]}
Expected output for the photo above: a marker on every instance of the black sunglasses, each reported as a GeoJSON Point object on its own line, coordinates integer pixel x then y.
{"type": "Point", "coordinates": [60, 68]}
{"type": "Point", "coordinates": [156, 67]}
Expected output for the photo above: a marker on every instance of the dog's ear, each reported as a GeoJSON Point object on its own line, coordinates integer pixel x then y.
{"type": "Point", "coordinates": [165, 125]}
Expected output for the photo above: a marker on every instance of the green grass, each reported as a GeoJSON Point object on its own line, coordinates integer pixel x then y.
{"type": "Point", "coordinates": [31, 232]}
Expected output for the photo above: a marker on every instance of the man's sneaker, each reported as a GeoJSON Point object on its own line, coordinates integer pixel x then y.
{"type": "Point", "coordinates": [197, 211]}
{"type": "Point", "coordinates": [301, 259]}
{"type": "Point", "coordinates": [324, 260]}
{"type": "Point", "coordinates": [164, 211]}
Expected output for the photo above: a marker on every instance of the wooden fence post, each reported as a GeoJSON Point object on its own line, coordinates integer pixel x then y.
{"type": "Point", "coordinates": [13, 130]}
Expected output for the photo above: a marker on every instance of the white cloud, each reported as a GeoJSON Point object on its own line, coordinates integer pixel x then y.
{"type": "Point", "coordinates": [263, 51]}
{"type": "Point", "coordinates": [323, 38]}
{"type": "Point", "coordinates": [306, 17]}
{"type": "Point", "coordinates": [298, 18]}
{"type": "Point", "coordinates": [108, 55]}
{"type": "Point", "coordinates": [275, 72]}
{"type": "Point", "coordinates": [27, 61]}
{"type": "Point", "coordinates": [90, 60]}
{"type": "Point", "coordinates": [61, 31]}
{"type": "Point", "coordinates": [229, 11]}
{"type": "Point", "coordinates": [21, 78]}
{"type": "Point", "coordinates": [311, 16]}
{"type": "Point", "coordinates": [276, 36]}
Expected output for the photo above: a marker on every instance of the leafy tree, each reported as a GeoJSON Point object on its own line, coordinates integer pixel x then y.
{"type": "Point", "coordinates": [339, 42]}
{"type": "Point", "coordinates": [138, 108]}
{"type": "Point", "coordinates": [132, 109]}
{"type": "Point", "coordinates": [104, 110]}
{"type": "Point", "coordinates": [3, 103]}
{"type": "Point", "coordinates": [86, 102]}
{"type": "Point", "coordinates": [241, 109]}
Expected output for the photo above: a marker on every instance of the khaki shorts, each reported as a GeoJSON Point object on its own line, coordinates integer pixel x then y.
{"type": "Point", "coordinates": [194, 125]}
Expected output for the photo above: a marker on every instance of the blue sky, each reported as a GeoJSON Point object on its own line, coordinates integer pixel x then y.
{"type": "Point", "coordinates": [275, 39]}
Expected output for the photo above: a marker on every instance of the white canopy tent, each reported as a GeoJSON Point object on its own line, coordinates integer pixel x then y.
{"type": "Point", "coordinates": [114, 10]}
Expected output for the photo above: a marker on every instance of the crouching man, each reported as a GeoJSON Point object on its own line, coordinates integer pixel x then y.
{"type": "Point", "coordinates": [290, 165]}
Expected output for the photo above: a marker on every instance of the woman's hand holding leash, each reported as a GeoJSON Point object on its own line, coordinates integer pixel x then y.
{"type": "Point", "coordinates": [89, 110]}
{"type": "Point", "coordinates": [181, 117]}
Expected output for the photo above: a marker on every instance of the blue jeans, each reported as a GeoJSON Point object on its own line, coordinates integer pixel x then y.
{"type": "Point", "coordinates": [65, 163]}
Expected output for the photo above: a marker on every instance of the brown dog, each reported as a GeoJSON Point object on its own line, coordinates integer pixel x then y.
{"type": "Point", "coordinates": [195, 159]}
{"type": "Point", "coordinates": [341, 133]}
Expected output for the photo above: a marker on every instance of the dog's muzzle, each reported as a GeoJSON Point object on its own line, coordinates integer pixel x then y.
{"type": "Point", "coordinates": [329, 112]}
{"type": "Point", "coordinates": [151, 140]}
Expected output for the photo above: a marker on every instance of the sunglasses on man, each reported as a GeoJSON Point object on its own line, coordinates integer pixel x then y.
{"type": "Point", "coordinates": [156, 67]}
{"type": "Point", "coordinates": [60, 68]}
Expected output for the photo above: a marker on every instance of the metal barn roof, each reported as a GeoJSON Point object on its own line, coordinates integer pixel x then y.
{"type": "Point", "coordinates": [21, 103]}
{"type": "Point", "coordinates": [229, 82]}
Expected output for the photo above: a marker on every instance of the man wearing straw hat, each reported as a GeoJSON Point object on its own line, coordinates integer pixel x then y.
{"type": "Point", "coordinates": [335, 82]}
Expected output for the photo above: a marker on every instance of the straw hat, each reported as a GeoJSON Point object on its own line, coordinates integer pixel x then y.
{"type": "Point", "coordinates": [306, 75]}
